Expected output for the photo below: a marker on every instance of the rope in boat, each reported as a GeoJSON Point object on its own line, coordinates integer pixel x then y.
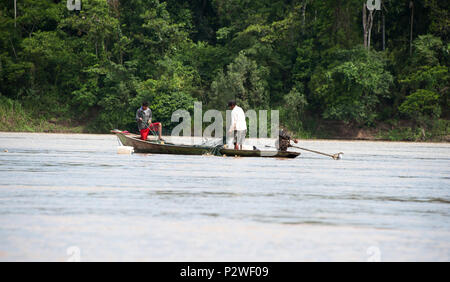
{"type": "Point", "coordinates": [213, 149]}
{"type": "Point", "coordinates": [153, 132]}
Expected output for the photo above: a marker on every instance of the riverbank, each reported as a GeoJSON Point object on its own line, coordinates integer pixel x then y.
{"type": "Point", "coordinates": [400, 134]}
{"type": "Point", "coordinates": [395, 130]}
{"type": "Point", "coordinates": [14, 118]}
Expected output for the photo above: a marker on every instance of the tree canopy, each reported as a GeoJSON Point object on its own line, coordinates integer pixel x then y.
{"type": "Point", "coordinates": [308, 58]}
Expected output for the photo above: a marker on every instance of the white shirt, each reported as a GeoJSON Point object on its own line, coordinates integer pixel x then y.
{"type": "Point", "coordinates": [238, 119]}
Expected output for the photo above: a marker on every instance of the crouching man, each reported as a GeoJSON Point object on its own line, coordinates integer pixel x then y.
{"type": "Point", "coordinates": [284, 140]}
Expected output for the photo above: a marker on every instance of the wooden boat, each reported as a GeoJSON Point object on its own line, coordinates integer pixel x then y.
{"type": "Point", "coordinates": [259, 154]}
{"type": "Point", "coordinates": [154, 147]}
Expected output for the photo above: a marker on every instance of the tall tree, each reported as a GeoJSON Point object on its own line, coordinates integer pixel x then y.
{"type": "Point", "coordinates": [367, 24]}
{"type": "Point", "coordinates": [411, 6]}
{"type": "Point", "coordinates": [15, 13]}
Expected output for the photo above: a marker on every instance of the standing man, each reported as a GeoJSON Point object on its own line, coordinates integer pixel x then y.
{"type": "Point", "coordinates": [144, 120]}
{"type": "Point", "coordinates": [238, 124]}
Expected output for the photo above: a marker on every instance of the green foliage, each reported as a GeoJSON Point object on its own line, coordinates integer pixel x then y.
{"type": "Point", "coordinates": [403, 134]}
{"type": "Point", "coordinates": [95, 66]}
{"type": "Point", "coordinates": [427, 77]}
{"type": "Point", "coordinates": [119, 86]}
{"type": "Point", "coordinates": [244, 82]}
{"type": "Point", "coordinates": [14, 117]}
{"type": "Point", "coordinates": [420, 104]}
{"type": "Point", "coordinates": [439, 130]}
{"type": "Point", "coordinates": [439, 17]}
{"type": "Point", "coordinates": [426, 82]}
{"type": "Point", "coordinates": [95, 23]}
{"type": "Point", "coordinates": [166, 96]}
{"type": "Point", "coordinates": [427, 50]}
{"type": "Point", "coordinates": [352, 86]}
{"type": "Point", "coordinates": [294, 110]}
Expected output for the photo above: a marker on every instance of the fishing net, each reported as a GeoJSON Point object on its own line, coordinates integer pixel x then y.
{"type": "Point", "coordinates": [212, 147]}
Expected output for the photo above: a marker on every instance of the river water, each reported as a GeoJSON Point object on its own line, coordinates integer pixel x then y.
{"type": "Point", "coordinates": [72, 197]}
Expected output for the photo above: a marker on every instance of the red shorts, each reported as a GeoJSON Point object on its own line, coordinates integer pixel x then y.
{"type": "Point", "coordinates": [153, 127]}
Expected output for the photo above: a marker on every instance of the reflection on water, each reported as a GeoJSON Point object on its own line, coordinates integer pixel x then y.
{"type": "Point", "coordinates": [58, 191]}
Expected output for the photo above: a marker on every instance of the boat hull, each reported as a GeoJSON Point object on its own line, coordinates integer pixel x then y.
{"type": "Point", "coordinates": [259, 154]}
{"type": "Point", "coordinates": [141, 146]}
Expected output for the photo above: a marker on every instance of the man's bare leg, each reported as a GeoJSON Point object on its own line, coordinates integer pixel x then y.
{"type": "Point", "coordinates": [160, 131]}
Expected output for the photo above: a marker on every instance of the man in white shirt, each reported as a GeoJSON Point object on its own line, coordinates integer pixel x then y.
{"type": "Point", "coordinates": [238, 124]}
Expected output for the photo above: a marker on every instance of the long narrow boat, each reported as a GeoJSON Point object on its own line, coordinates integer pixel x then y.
{"type": "Point", "coordinates": [141, 146]}
{"type": "Point", "coordinates": [259, 154]}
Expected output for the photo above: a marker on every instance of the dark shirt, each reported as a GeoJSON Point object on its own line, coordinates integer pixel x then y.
{"type": "Point", "coordinates": [145, 115]}
{"type": "Point", "coordinates": [284, 140]}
